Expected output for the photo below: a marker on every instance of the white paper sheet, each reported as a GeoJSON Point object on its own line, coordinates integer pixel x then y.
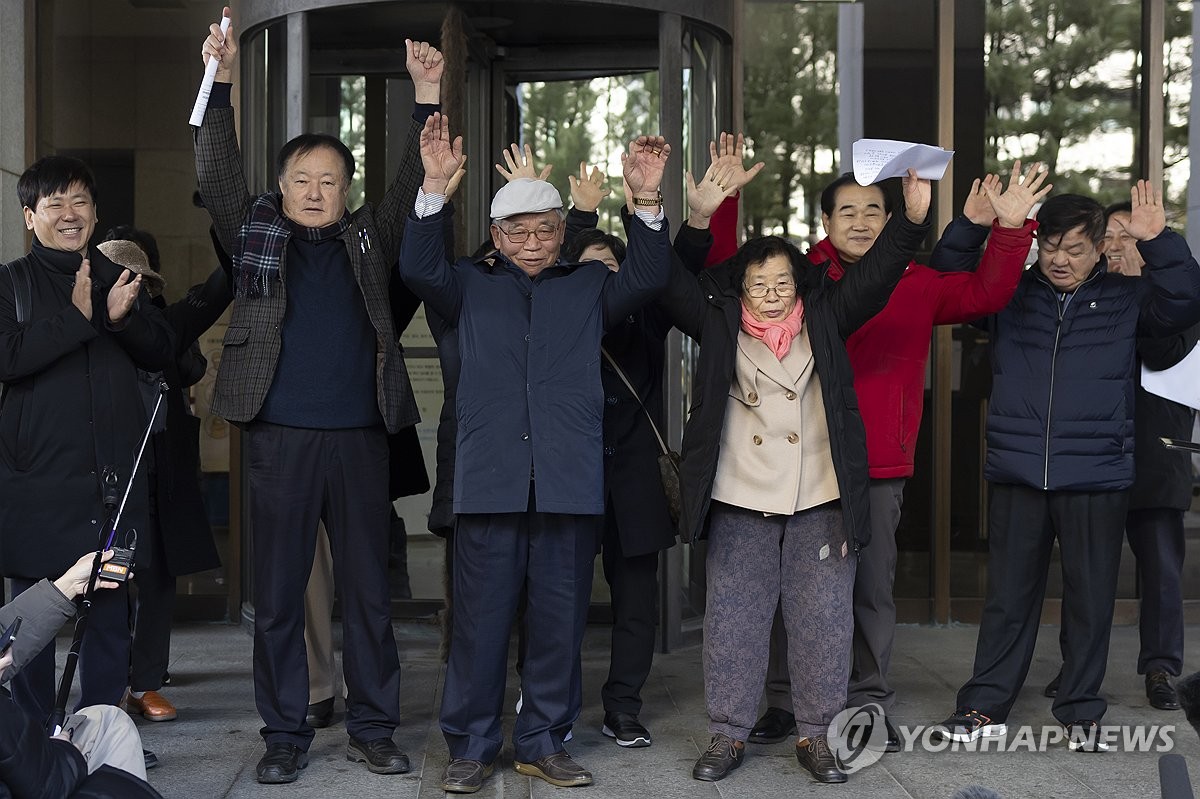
{"type": "Point", "coordinates": [879, 159]}
{"type": "Point", "coordinates": [1180, 383]}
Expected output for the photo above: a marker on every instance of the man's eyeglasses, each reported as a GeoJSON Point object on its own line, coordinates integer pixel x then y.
{"type": "Point", "coordinates": [759, 290]}
{"type": "Point", "coordinates": [521, 235]}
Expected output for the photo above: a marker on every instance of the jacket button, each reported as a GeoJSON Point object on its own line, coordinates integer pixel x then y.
{"type": "Point", "coordinates": [790, 395]}
{"type": "Point", "coordinates": [611, 400]}
{"type": "Point", "coordinates": [524, 436]}
{"type": "Point", "coordinates": [752, 397]}
{"type": "Point", "coordinates": [757, 440]}
{"type": "Point", "coordinates": [527, 337]}
{"type": "Point", "coordinates": [793, 438]}
{"type": "Point", "coordinates": [610, 450]}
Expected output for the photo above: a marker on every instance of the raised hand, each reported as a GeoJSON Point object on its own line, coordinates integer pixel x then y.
{"type": "Point", "coordinates": [424, 63]}
{"type": "Point", "coordinates": [1148, 217]}
{"type": "Point", "coordinates": [520, 164]}
{"type": "Point", "coordinates": [730, 153]}
{"type": "Point", "coordinates": [221, 46]}
{"type": "Point", "coordinates": [588, 189]}
{"type": "Point", "coordinates": [81, 292]}
{"type": "Point", "coordinates": [643, 165]}
{"type": "Point", "coordinates": [917, 194]}
{"type": "Point", "coordinates": [705, 197]}
{"type": "Point", "coordinates": [1013, 206]}
{"type": "Point", "coordinates": [978, 208]}
{"type": "Point", "coordinates": [122, 295]}
{"type": "Point", "coordinates": [441, 157]}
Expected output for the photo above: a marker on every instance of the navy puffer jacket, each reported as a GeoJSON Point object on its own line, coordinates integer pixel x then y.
{"type": "Point", "coordinates": [1061, 413]}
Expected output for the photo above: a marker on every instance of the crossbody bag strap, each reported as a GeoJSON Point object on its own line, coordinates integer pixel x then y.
{"type": "Point", "coordinates": [18, 276]}
{"type": "Point", "coordinates": [621, 374]}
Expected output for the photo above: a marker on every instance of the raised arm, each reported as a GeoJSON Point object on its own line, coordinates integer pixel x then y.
{"type": "Point", "coordinates": [1171, 300]}
{"type": "Point", "coordinates": [959, 246]}
{"type": "Point", "coordinates": [865, 289]}
{"type": "Point", "coordinates": [423, 258]}
{"type": "Point", "coordinates": [647, 263]}
{"type": "Point", "coordinates": [218, 158]}
{"type": "Point", "coordinates": [425, 66]}
{"type": "Point", "coordinates": [965, 296]}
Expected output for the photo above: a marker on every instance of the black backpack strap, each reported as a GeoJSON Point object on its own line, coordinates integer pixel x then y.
{"type": "Point", "coordinates": [18, 276]}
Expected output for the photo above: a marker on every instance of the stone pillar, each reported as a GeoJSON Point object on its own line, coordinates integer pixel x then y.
{"type": "Point", "coordinates": [12, 124]}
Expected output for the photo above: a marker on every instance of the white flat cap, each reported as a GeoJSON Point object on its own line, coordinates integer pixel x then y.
{"type": "Point", "coordinates": [525, 196]}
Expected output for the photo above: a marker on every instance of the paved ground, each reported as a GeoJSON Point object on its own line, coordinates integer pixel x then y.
{"type": "Point", "coordinates": [211, 750]}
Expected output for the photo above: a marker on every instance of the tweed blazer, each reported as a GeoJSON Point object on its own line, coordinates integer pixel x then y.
{"type": "Point", "coordinates": [372, 239]}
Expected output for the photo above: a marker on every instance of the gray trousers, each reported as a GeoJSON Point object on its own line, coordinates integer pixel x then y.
{"type": "Point", "coordinates": [874, 612]}
{"type": "Point", "coordinates": [110, 738]}
{"type": "Point", "coordinates": [803, 564]}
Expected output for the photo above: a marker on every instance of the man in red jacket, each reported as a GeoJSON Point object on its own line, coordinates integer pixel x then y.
{"type": "Point", "coordinates": [889, 354]}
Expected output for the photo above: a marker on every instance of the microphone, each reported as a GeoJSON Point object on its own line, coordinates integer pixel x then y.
{"type": "Point", "coordinates": [1173, 778]}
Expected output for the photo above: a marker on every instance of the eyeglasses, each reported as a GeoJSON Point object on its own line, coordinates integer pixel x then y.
{"type": "Point", "coordinates": [758, 290]}
{"type": "Point", "coordinates": [520, 235]}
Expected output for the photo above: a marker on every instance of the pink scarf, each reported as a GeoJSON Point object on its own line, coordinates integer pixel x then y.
{"type": "Point", "coordinates": [776, 335]}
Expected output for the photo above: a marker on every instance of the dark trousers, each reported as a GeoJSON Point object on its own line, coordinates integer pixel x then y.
{"type": "Point", "coordinates": [103, 658]}
{"type": "Point", "coordinates": [297, 478]}
{"type": "Point", "coordinates": [633, 584]}
{"type": "Point", "coordinates": [874, 613]}
{"type": "Point", "coordinates": [1156, 538]}
{"type": "Point", "coordinates": [551, 556]}
{"type": "Point", "coordinates": [154, 587]}
{"type": "Point", "coordinates": [1022, 525]}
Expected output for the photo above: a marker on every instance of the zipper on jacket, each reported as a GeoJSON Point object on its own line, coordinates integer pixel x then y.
{"type": "Point", "coordinates": [1061, 306]}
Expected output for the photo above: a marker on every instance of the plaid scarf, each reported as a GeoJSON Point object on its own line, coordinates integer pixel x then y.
{"type": "Point", "coordinates": [262, 239]}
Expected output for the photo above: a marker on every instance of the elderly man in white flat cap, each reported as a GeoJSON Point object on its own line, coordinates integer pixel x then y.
{"type": "Point", "coordinates": [528, 484]}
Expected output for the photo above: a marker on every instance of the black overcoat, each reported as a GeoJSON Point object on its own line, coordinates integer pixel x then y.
{"type": "Point", "coordinates": [1162, 478]}
{"type": "Point", "coordinates": [72, 407]}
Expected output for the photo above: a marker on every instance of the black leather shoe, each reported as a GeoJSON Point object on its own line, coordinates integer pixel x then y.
{"type": "Point", "coordinates": [893, 737]}
{"type": "Point", "coordinates": [774, 726]}
{"type": "Point", "coordinates": [557, 769]}
{"type": "Point", "coordinates": [150, 758]}
{"type": "Point", "coordinates": [815, 755]}
{"type": "Point", "coordinates": [281, 763]}
{"type": "Point", "coordinates": [320, 714]}
{"type": "Point", "coordinates": [381, 755]}
{"type": "Point", "coordinates": [626, 730]}
{"type": "Point", "coordinates": [465, 776]}
{"type": "Point", "coordinates": [1051, 689]}
{"type": "Point", "coordinates": [1159, 691]}
{"type": "Point", "coordinates": [722, 756]}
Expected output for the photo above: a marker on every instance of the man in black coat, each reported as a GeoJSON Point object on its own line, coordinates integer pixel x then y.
{"type": "Point", "coordinates": [74, 329]}
{"type": "Point", "coordinates": [528, 483]}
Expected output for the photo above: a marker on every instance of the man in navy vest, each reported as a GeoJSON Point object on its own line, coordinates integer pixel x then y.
{"type": "Point", "coordinates": [1060, 436]}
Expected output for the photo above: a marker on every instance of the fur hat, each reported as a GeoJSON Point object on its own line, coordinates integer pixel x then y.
{"type": "Point", "coordinates": [129, 255]}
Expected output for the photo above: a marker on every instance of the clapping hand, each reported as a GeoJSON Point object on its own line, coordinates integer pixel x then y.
{"type": "Point", "coordinates": [917, 194]}
{"type": "Point", "coordinates": [978, 208]}
{"type": "Point", "coordinates": [1013, 206]}
{"type": "Point", "coordinates": [441, 157]}
{"type": "Point", "coordinates": [122, 295]}
{"type": "Point", "coordinates": [1148, 217]}
{"type": "Point", "coordinates": [520, 165]}
{"type": "Point", "coordinates": [588, 189]}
